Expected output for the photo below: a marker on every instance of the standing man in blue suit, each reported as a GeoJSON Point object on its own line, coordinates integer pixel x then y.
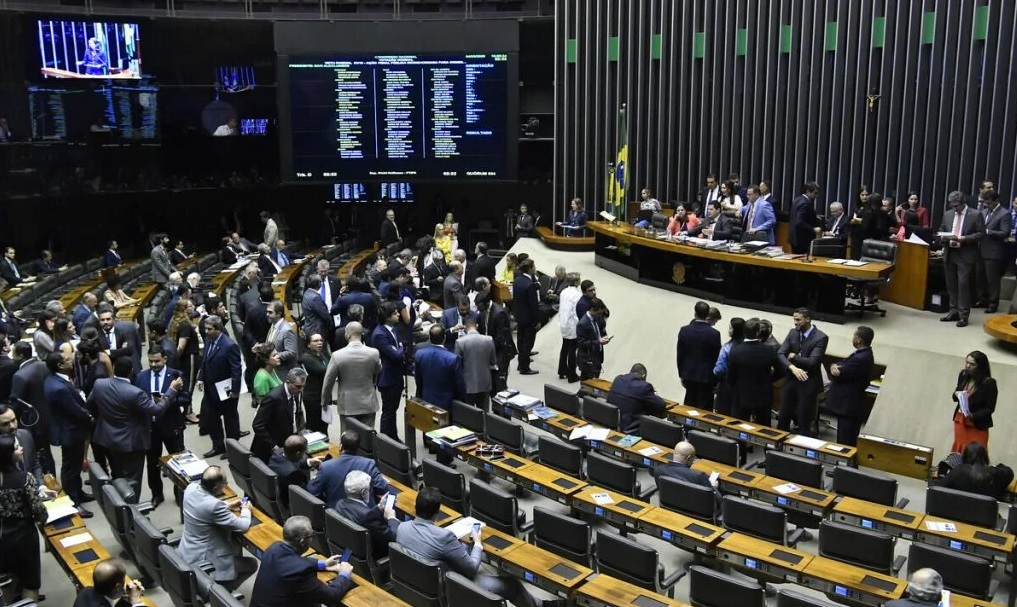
{"type": "Point", "coordinates": [759, 216]}
{"type": "Point", "coordinates": [696, 352]}
{"type": "Point", "coordinates": [439, 372]}
{"type": "Point", "coordinates": [328, 485]}
{"type": "Point", "coordinates": [72, 425]}
{"type": "Point", "coordinates": [221, 362]}
{"type": "Point", "coordinates": [805, 224]}
{"type": "Point", "coordinates": [167, 429]}
{"type": "Point", "coordinates": [526, 307]}
{"type": "Point", "coordinates": [393, 366]}
{"type": "Point", "coordinates": [453, 320]}
{"type": "Point", "coordinates": [317, 317]}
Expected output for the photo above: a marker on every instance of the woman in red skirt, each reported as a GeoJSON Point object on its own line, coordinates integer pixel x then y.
{"type": "Point", "coordinates": [976, 386]}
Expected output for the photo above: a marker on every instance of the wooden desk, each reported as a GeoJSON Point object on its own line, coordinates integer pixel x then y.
{"type": "Point", "coordinates": [745, 552]}
{"type": "Point", "coordinates": [282, 281]}
{"type": "Point", "coordinates": [501, 291]}
{"type": "Point", "coordinates": [834, 454]}
{"type": "Point", "coordinates": [682, 531]}
{"type": "Point", "coordinates": [867, 515]}
{"type": "Point", "coordinates": [505, 468]}
{"type": "Point", "coordinates": [1002, 326]}
{"type": "Point", "coordinates": [63, 526]}
{"type": "Point", "coordinates": [624, 510]}
{"type": "Point", "coordinates": [724, 425]}
{"type": "Point", "coordinates": [423, 416]}
{"type": "Point", "coordinates": [80, 560]}
{"type": "Point", "coordinates": [731, 480]}
{"type": "Point", "coordinates": [605, 591]}
{"type": "Point", "coordinates": [356, 263]}
{"type": "Point", "coordinates": [895, 456]}
{"type": "Point", "coordinates": [551, 483]}
{"type": "Point", "coordinates": [851, 582]}
{"type": "Point", "coordinates": [807, 499]}
{"type": "Point", "coordinates": [544, 569]}
{"type": "Point", "coordinates": [406, 502]}
{"type": "Point", "coordinates": [564, 243]}
{"type": "Point", "coordinates": [986, 543]}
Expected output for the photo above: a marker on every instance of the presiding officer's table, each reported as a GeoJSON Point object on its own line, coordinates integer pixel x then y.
{"type": "Point", "coordinates": [749, 280]}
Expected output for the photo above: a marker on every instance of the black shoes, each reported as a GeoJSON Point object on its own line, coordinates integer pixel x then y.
{"type": "Point", "coordinates": [963, 322]}
{"type": "Point", "coordinates": [87, 497]}
{"type": "Point", "coordinates": [528, 371]}
{"type": "Point", "coordinates": [156, 500]}
{"type": "Point", "coordinates": [952, 316]}
{"type": "Point", "coordinates": [84, 513]}
{"type": "Point", "coordinates": [213, 453]}
{"type": "Point", "coordinates": [245, 433]}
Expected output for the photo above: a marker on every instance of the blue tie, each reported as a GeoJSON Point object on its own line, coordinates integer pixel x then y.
{"type": "Point", "coordinates": [158, 383]}
{"type": "Point", "coordinates": [324, 296]}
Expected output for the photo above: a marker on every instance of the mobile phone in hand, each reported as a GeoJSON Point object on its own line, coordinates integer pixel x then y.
{"type": "Point", "coordinates": [244, 501]}
{"type": "Point", "coordinates": [476, 527]}
{"type": "Point", "coordinates": [390, 502]}
{"type": "Point", "coordinates": [346, 555]}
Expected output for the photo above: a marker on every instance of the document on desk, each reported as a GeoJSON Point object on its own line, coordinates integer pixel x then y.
{"type": "Point", "coordinates": [941, 526]}
{"type": "Point", "coordinates": [580, 432]}
{"type": "Point", "coordinates": [602, 499]}
{"type": "Point", "coordinates": [651, 451]}
{"type": "Point", "coordinates": [61, 507]}
{"type": "Point", "coordinates": [74, 540]}
{"type": "Point", "coordinates": [787, 488]}
{"type": "Point", "coordinates": [464, 526]}
{"type": "Point", "coordinates": [748, 427]}
{"type": "Point", "coordinates": [806, 442]}
{"type": "Point", "coordinates": [597, 433]}
{"type": "Point", "coordinates": [222, 388]}
{"type": "Point", "coordinates": [965, 404]}
{"type": "Point", "coordinates": [855, 264]}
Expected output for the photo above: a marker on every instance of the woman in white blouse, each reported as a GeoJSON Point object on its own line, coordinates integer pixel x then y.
{"type": "Point", "coordinates": [729, 198]}
{"type": "Point", "coordinates": [567, 321]}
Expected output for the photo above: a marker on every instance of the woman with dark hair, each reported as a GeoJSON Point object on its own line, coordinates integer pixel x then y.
{"type": "Point", "coordinates": [21, 509]}
{"type": "Point", "coordinates": [91, 334]}
{"type": "Point", "coordinates": [725, 390]}
{"type": "Point", "coordinates": [975, 396]}
{"type": "Point", "coordinates": [315, 362]}
{"type": "Point", "coordinates": [89, 365]}
{"type": "Point", "coordinates": [266, 359]}
{"type": "Point", "coordinates": [43, 338]}
{"type": "Point", "coordinates": [729, 198]}
{"type": "Point", "coordinates": [181, 332]}
{"type": "Point", "coordinates": [975, 475]}
{"type": "Point", "coordinates": [63, 332]}
{"type": "Point", "coordinates": [115, 293]}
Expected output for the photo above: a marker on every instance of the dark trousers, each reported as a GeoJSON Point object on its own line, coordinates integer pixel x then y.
{"type": "Point", "coordinates": [698, 394]}
{"type": "Point", "coordinates": [526, 335]}
{"type": "Point", "coordinates": [958, 283]}
{"type": "Point", "coordinates": [390, 398]}
{"type": "Point", "coordinates": [189, 371]}
{"type": "Point", "coordinates": [500, 379]}
{"type": "Point", "coordinates": [217, 416]}
{"type": "Point", "coordinates": [71, 457]}
{"type": "Point", "coordinates": [989, 278]}
{"type": "Point", "coordinates": [250, 368]}
{"type": "Point", "coordinates": [174, 444]}
{"type": "Point", "coordinates": [45, 456]}
{"type": "Point", "coordinates": [480, 400]}
{"type": "Point", "coordinates": [129, 465]}
{"type": "Point", "coordinates": [798, 400]}
{"type": "Point", "coordinates": [567, 358]}
{"type": "Point", "coordinates": [312, 409]}
{"type": "Point", "coordinates": [100, 455]}
{"type": "Point", "coordinates": [761, 415]}
{"type": "Point", "coordinates": [848, 429]}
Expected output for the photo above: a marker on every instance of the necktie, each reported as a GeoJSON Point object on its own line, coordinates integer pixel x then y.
{"type": "Point", "coordinates": [751, 215]}
{"type": "Point", "coordinates": [324, 291]}
{"type": "Point", "coordinates": [111, 340]}
{"type": "Point", "coordinates": [156, 381]}
{"type": "Point", "coordinates": [596, 331]}
{"type": "Point", "coordinates": [298, 415]}
{"type": "Point", "coordinates": [958, 222]}
{"type": "Point", "coordinates": [487, 317]}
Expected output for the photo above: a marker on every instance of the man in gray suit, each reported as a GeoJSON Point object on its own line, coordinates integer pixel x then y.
{"type": "Point", "coordinates": [422, 537]}
{"type": "Point", "coordinates": [962, 228]}
{"type": "Point", "coordinates": [282, 336]}
{"type": "Point", "coordinates": [479, 360]}
{"type": "Point", "coordinates": [208, 524]}
{"type": "Point", "coordinates": [354, 367]}
{"type": "Point", "coordinates": [124, 414]}
{"type": "Point", "coordinates": [993, 250]}
{"type": "Point", "coordinates": [453, 285]}
{"type": "Point", "coordinates": [161, 266]}
{"type": "Point", "coordinates": [925, 589]}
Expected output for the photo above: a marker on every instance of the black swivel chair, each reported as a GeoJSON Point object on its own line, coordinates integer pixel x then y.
{"type": "Point", "coordinates": [660, 432]}
{"type": "Point", "coordinates": [790, 598]}
{"type": "Point", "coordinates": [568, 537]}
{"type": "Point", "coordinates": [634, 563]}
{"type": "Point", "coordinates": [367, 437]}
{"type": "Point", "coordinates": [962, 573]}
{"type": "Point", "coordinates": [873, 250]}
{"type": "Point", "coordinates": [715, 448]}
{"type": "Point", "coordinates": [862, 547]}
{"type": "Point", "coordinates": [687, 498]}
{"type": "Point", "coordinates": [602, 413]}
{"type": "Point", "coordinates": [342, 533]}
{"type": "Point", "coordinates": [759, 520]}
{"type": "Point", "coordinates": [508, 433]}
{"type": "Point", "coordinates": [451, 484]}
{"type": "Point", "coordinates": [265, 483]}
{"type": "Point", "coordinates": [303, 503]}
{"type": "Point", "coordinates": [498, 509]}
{"type": "Point", "coordinates": [561, 400]}
{"type": "Point", "coordinates": [146, 541]}
{"type": "Point", "coordinates": [97, 477]}
{"type": "Point", "coordinates": [178, 578]}
{"type": "Point", "coordinates": [709, 588]}
{"type": "Point", "coordinates": [467, 416]}
{"type": "Point", "coordinates": [394, 459]}
{"type": "Point", "coordinates": [794, 468]}
{"type": "Point", "coordinates": [616, 476]}
{"type": "Point", "coordinates": [115, 510]}
{"type": "Point", "coordinates": [239, 458]}
{"type": "Point", "coordinates": [971, 508]}
{"type": "Point", "coordinates": [461, 592]}
{"type": "Point", "coordinates": [563, 457]}
{"type": "Point", "coordinates": [865, 485]}
{"type": "Point", "coordinates": [417, 581]}
{"type": "Point", "coordinates": [219, 596]}
{"type": "Point", "coordinates": [833, 247]}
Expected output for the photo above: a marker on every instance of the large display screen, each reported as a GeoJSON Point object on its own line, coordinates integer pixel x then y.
{"type": "Point", "coordinates": [389, 116]}
{"type": "Point", "coordinates": [89, 49]}
{"type": "Point", "coordinates": [64, 113]}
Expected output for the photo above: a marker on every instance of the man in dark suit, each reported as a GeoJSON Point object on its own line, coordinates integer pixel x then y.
{"type": "Point", "coordinates": [220, 363]}
{"type": "Point", "coordinates": [328, 484]}
{"type": "Point", "coordinates": [109, 581]}
{"type": "Point", "coordinates": [123, 414]}
{"type": "Point", "coordinates": [393, 366]}
{"type": "Point", "coordinates": [266, 264]}
{"type": "Point", "coordinates": [381, 525]}
{"type": "Point", "coordinates": [10, 271]}
{"type": "Point", "coordinates": [635, 397]}
{"type": "Point", "coordinates": [330, 283]}
{"type": "Point", "coordinates": [28, 385]}
{"type": "Point", "coordinates": [227, 254]}
{"type": "Point", "coordinates": [526, 307]}
{"type": "Point", "coordinates": [805, 224]}
{"type": "Point", "coordinates": [111, 258]}
{"type": "Point", "coordinates": [966, 227]}
{"type": "Point", "coordinates": [848, 380]}
{"type": "Point", "coordinates": [317, 317]}
{"type": "Point", "coordinates": [452, 285]}
{"type": "Point", "coordinates": [279, 415]}
{"type": "Point", "coordinates": [993, 251]}
{"type": "Point", "coordinates": [484, 265]}
{"type": "Point", "coordinates": [292, 467]}
{"type": "Point", "coordinates": [493, 320]}
{"type": "Point", "coordinates": [752, 367]}
{"type": "Point", "coordinates": [72, 425]}
{"type": "Point", "coordinates": [453, 320]}
{"type": "Point", "coordinates": [286, 579]}
{"type": "Point", "coordinates": [256, 327]}
{"type": "Point", "coordinates": [389, 232]}
{"type": "Point", "coordinates": [121, 341]}
{"type": "Point", "coordinates": [248, 295]}
{"type": "Point", "coordinates": [167, 429]}
{"type": "Point", "coordinates": [157, 337]}
{"type": "Point", "coordinates": [84, 310]}
{"type": "Point", "coordinates": [438, 372]}
{"type": "Point", "coordinates": [8, 367]}
{"type": "Point", "coordinates": [590, 341]}
{"type": "Point", "coordinates": [696, 352]}
{"type": "Point", "coordinates": [836, 222]}
{"type": "Point", "coordinates": [358, 292]}
{"type": "Point", "coordinates": [681, 469]}
{"type": "Point", "coordinates": [801, 356]}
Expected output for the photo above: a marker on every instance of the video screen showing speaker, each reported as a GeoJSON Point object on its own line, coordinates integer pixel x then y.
{"type": "Point", "coordinates": [391, 116]}
{"type": "Point", "coordinates": [89, 49]}
{"type": "Point", "coordinates": [79, 112]}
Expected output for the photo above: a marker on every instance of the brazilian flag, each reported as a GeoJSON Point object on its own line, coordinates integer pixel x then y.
{"type": "Point", "coordinates": [618, 181]}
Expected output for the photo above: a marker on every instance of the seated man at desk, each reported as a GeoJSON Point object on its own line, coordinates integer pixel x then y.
{"type": "Point", "coordinates": [292, 466]}
{"type": "Point", "coordinates": [110, 587]}
{"type": "Point", "coordinates": [328, 485]}
{"type": "Point", "coordinates": [836, 222]}
{"type": "Point", "coordinates": [925, 589]}
{"type": "Point", "coordinates": [681, 469]}
{"type": "Point", "coordinates": [422, 537]}
{"type": "Point", "coordinates": [381, 525]}
{"type": "Point", "coordinates": [635, 397]}
{"type": "Point", "coordinates": [209, 524]}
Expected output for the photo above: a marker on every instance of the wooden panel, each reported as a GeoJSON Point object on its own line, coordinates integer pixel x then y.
{"type": "Point", "coordinates": [895, 456]}
{"type": "Point", "coordinates": [1002, 326]}
{"type": "Point", "coordinates": [910, 276]}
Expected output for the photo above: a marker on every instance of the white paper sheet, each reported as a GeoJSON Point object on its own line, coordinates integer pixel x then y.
{"type": "Point", "coordinates": [787, 488]}
{"type": "Point", "coordinates": [74, 540]}
{"type": "Point", "coordinates": [940, 526]}
{"type": "Point", "coordinates": [223, 387]}
{"type": "Point", "coordinates": [464, 526]}
{"type": "Point", "coordinates": [597, 434]}
{"type": "Point", "coordinates": [806, 442]}
{"type": "Point", "coordinates": [602, 498]}
{"type": "Point", "coordinates": [580, 432]}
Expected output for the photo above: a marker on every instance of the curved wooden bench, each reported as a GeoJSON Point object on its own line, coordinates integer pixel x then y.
{"type": "Point", "coordinates": [554, 241]}
{"type": "Point", "coordinates": [1002, 326]}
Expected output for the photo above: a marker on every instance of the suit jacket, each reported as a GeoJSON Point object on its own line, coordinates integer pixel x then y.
{"type": "Point", "coordinates": [81, 314]}
{"type": "Point", "coordinates": [972, 230]}
{"type": "Point", "coordinates": [208, 527]}
{"type": "Point", "coordinates": [177, 256]}
{"type": "Point", "coordinates": [808, 357]}
{"type": "Point", "coordinates": [355, 367]}
{"type": "Point", "coordinates": [479, 359]}
{"type": "Point", "coordinates": [328, 484]}
{"type": "Point", "coordinates": [8, 367]}
{"type": "Point", "coordinates": [525, 300]}
{"type": "Point", "coordinates": [71, 422]}
{"type": "Point", "coordinates": [161, 266]}
{"type": "Point", "coordinates": [696, 351]}
{"type": "Point", "coordinates": [281, 257]}
{"type": "Point", "coordinates": [450, 287]}
{"type": "Point", "coordinates": [439, 376]}
{"type": "Point", "coordinates": [7, 272]}
{"type": "Point", "coordinates": [256, 326]}
{"type": "Point", "coordinates": [334, 286]}
{"type": "Point", "coordinates": [171, 422]}
{"type": "Point", "coordinates": [803, 223]}
{"type": "Point", "coordinates": [267, 266]}
{"type": "Point", "coordinates": [289, 473]}
{"type": "Point", "coordinates": [388, 233]}
{"type": "Point", "coordinates": [128, 343]}
{"type": "Point", "coordinates": [273, 423]}
{"type": "Point", "coordinates": [123, 414]}
{"type": "Point", "coordinates": [317, 318]}
{"type": "Point", "coordinates": [30, 459]}
{"type": "Point", "coordinates": [286, 579]}
{"type": "Point", "coordinates": [997, 230]}
{"type": "Point", "coordinates": [221, 361]}
{"type": "Point", "coordinates": [88, 597]}
{"type": "Point", "coordinates": [846, 396]}
{"type": "Point", "coordinates": [982, 402]}
{"type": "Point", "coordinates": [589, 350]}
{"type": "Point", "coordinates": [28, 384]}
{"type": "Point", "coordinates": [837, 225]}
{"type": "Point", "coordinates": [634, 397]}
{"type": "Point", "coordinates": [449, 319]}
{"type": "Point", "coordinates": [285, 341]}
{"type": "Point", "coordinates": [495, 322]}
{"type": "Point", "coordinates": [111, 259]}
{"type": "Point", "coordinates": [682, 472]}
{"type": "Point", "coordinates": [382, 530]}
{"type": "Point", "coordinates": [424, 538]}
{"type": "Point", "coordinates": [751, 368]}
{"type": "Point", "coordinates": [763, 219]}
{"type": "Point", "coordinates": [247, 301]}
{"type": "Point", "coordinates": [393, 356]}
{"type": "Point", "coordinates": [228, 255]}
{"type": "Point", "coordinates": [484, 266]}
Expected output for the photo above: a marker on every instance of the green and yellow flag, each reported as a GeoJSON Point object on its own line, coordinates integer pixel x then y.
{"type": "Point", "coordinates": [618, 185]}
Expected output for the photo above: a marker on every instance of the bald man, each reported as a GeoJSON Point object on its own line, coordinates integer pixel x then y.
{"type": "Point", "coordinates": [925, 589]}
{"type": "Point", "coordinates": [209, 526]}
{"type": "Point", "coordinates": [681, 469]}
{"type": "Point", "coordinates": [110, 587]}
{"type": "Point", "coordinates": [354, 368]}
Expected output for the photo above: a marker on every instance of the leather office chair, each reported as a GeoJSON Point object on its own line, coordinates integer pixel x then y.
{"type": "Point", "coordinates": [367, 436]}
{"type": "Point", "coordinates": [597, 411]}
{"type": "Point", "coordinates": [451, 484]}
{"type": "Point", "coordinates": [790, 598]}
{"type": "Point", "coordinates": [341, 533]}
{"type": "Point", "coordinates": [563, 457]}
{"type": "Point", "coordinates": [794, 468]}
{"type": "Point", "coordinates": [97, 478]}
{"type": "Point", "coordinates": [857, 546]}
{"type": "Point", "coordinates": [147, 539]}
{"type": "Point", "coordinates": [219, 596]}
{"type": "Point", "coordinates": [467, 416]}
{"type": "Point", "coordinates": [865, 485]}
{"type": "Point", "coordinates": [394, 460]}
{"type": "Point", "coordinates": [178, 578]}
{"type": "Point", "coordinates": [715, 448]}
{"type": "Point", "coordinates": [498, 509]}
{"type": "Point", "coordinates": [831, 246]}
{"type": "Point", "coordinates": [561, 400]}
{"type": "Point", "coordinates": [962, 573]}
{"type": "Point", "coordinates": [115, 510]}
{"type": "Point", "coordinates": [687, 498]}
{"type": "Point", "coordinates": [873, 250]}
{"type": "Point", "coordinates": [759, 520]}
{"type": "Point", "coordinates": [461, 592]}
{"type": "Point", "coordinates": [634, 563]}
{"type": "Point", "coordinates": [126, 490]}
{"type": "Point", "coordinates": [971, 508]}
{"type": "Point", "coordinates": [265, 485]}
{"type": "Point", "coordinates": [415, 580]}
{"type": "Point", "coordinates": [709, 588]}
{"type": "Point", "coordinates": [660, 432]}
{"type": "Point", "coordinates": [508, 433]}
{"type": "Point", "coordinates": [239, 459]}
{"type": "Point", "coordinates": [568, 537]}
{"type": "Point", "coordinates": [303, 503]}
{"type": "Point", "coordinates": [617, 476]}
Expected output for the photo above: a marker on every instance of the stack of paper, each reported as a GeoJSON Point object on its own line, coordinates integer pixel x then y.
{"type": "Point", "coordinates": [602, 498]}
{"type": "Point", "coordinates": [188, 465]}
{"type": "Point", "coordinates": [453, 436]}
{"type": "Point", "coordinates": [787, 488]}
{"type": "Point", "coordinates": [524, 402]}
{"type": "Point", "coordinates": [61, 507]}
{"type": "Point", "coordinates": [74, 540]}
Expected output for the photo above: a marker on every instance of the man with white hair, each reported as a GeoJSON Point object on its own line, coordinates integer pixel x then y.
{"type": "Point", "coordinates": [286, 578]}
{"type": "Point", "coordinates": [460, 256]}
{"type": "Point", "coordinates": [380, 522]}
{"type": "Point", "coordinates": [837, 222]}
{"type": "Point", "coordinates": [925, 589]}
{"type": "Point", "coordinates": [266, 264]}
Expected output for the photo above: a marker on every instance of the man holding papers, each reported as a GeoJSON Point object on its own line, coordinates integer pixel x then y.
{"type": "Point", "coordinates": [219, 378]}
